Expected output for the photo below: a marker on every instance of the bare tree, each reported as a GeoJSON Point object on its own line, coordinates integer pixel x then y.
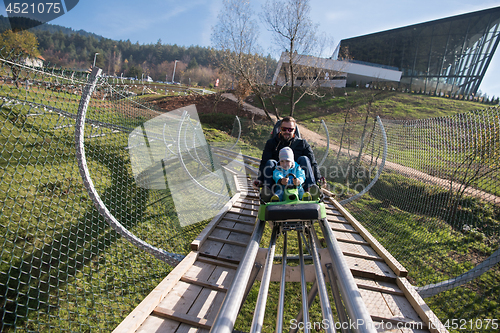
{"type": "Point", "coordinates": [294, 32]}
{"type": "Point", "coordinates": [235, 37]}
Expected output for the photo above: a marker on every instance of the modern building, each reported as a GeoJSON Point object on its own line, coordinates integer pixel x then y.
{"type": "Point", "coordinates": [449, 55]}
{"type": "Point", "coordinates": [446, 56]}
{"type": "Point", "coordinates": [331, 72]}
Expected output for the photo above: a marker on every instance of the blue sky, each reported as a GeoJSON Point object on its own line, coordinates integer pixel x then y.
{"type": "Point", "coordinates": [189, 22]}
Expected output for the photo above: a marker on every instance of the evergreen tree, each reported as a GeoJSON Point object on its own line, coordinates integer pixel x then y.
{"type": "Point", "coordinates": [192, 64]}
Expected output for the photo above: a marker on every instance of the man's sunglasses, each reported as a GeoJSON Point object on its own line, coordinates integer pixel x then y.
{"type": "Point", "coordinates": [287, 129]}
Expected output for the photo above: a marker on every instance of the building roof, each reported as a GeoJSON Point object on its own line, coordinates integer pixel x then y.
{"type": "Point", "coordinates": [449, 54]}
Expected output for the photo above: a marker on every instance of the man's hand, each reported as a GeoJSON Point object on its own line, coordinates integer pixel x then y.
{"type": "Point", "coordinates": [322, 182]}
{"type": "Point", "coordinates": [257, 183]}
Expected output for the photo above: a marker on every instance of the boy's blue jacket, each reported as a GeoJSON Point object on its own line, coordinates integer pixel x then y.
{"type": "Point", "coordinates": [297, 171]}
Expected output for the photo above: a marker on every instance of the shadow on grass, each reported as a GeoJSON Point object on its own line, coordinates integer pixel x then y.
{"type": "Point", "coordinates": [432, 201]}
{"type": "Point", "coordinates": [30, 280]}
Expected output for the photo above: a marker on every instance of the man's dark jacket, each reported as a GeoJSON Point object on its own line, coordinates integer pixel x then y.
{"type": "Point", "coordinates": [299, 146]}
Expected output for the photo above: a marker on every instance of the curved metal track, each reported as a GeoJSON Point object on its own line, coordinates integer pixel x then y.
{"type": "Point", "coordinates": [170, 258]}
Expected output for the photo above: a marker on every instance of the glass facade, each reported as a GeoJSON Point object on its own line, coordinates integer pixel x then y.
{"type": "Point", "coordinates": [446, 56]}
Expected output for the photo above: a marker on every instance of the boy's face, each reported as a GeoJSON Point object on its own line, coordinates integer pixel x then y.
{"type": "Point", "coordinates": [286, 164]}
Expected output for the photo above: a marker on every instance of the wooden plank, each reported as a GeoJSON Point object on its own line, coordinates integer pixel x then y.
{"type": "Point", "coordinates": [182, 296]}
{"type": "Point", "coordinates": [209, 301]}
{"type": "Point", "coordinates": [204, 284]}
{"type": "Point", "coordinates": [211, 248]}
{"type": "Point", "coordinates": [250, 194]}
{"type": "Point", "coordinates": [401, 308]}
{"type": "Point", "coordinates": [183, 318]}
{"type": "Point", "coordinates": [249, 205]}
{"type": "Point", "coordinates": [158, 325]}
{"type": "Point", "coordinates": [143, 310]}
{"type": "Point", "coordinates": [196, 244]}
{"type": "Point", "coordinates": [234, 247]}
{"type": "Point", "coordinates": [179, 299]}
{"type": "Point", "coordinates": [341, 226]}
{"type": "Point", "coordinates": [199, 270]}
{"type": "Point", "coordinates": [362, 256]}
{"type": "Point", "coordinates": [389, 259]}
{"type": "Point", "coordinates": [349, 237]}
{"type": "Point", "coordinates": [335, 218]}
{"type": "Point", "coordinates": [236, 226]}
{"type": "Point", "coordinates": [234, 230]}
{"type": "Point", "coordinates": [351, 241]}
{"type": "Point", "coordinates": [246, 208]}
{"type": "Point", "coordinates": [422, 309]}
{"type": "Point", "coordinates": [205, 307]}
{"type": "Point", "coordinates": [248, 200]}
{"type": "Point", "coordinates": [344, 230]}
{"type": "Point", "coordinates": [232, 253]}
{"type": "Point", "coordinates": [232, 219]}
{"type": "Point", "coordinates": [220, 263]}
{"type": "Point", "coordinates": [226, 241]}
{"type": "Point", "coordinates": [381, 290]}
{"type": "Point", "coordinates": [370, 269]}
{"type": "Point", "coordinates": [361, 249]}
{"type": "Point", "coordinates": [242, 212]}
{"type": "Point", "coordinates": [381, 286]}
{"type": "Point", "coordinates": [240, 218]}
{"type": "Point", "coordinates": [375, 303]}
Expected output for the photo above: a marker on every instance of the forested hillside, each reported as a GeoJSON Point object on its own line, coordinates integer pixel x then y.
{"type": "Point", "coordinates": [67, 48]}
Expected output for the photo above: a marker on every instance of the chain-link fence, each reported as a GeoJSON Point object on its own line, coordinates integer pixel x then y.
{"type": "Point", "coordinates": [436, 206]}
{"type": "Point", "coordinates": [62, 266]}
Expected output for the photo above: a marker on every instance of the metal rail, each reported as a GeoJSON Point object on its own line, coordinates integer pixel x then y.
{"type": "Point", "coordinates": [228, 312]}
{"type": "Point", "coordinates": [260, 308]}
{"type": "Point", "coordinates": [305, 306]}
{"type": "Point", "coordinates": [326, 309]}
{"type": "Point", "coordinates": [344, 288]}
{"type": "Point", "coordinates": [356, 308]}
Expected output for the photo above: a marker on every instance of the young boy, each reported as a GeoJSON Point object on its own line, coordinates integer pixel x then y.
{"type": "Point", "coordinates": [281, 175]}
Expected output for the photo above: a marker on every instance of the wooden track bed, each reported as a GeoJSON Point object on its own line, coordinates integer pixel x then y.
{"type": "Point", "coordinates": [189, 298]}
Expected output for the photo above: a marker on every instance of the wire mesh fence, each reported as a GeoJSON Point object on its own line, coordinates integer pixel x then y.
{"type": "Point", "coordinates": [62, 266]}
{"type": "Point", "coordinates": [436, 207]}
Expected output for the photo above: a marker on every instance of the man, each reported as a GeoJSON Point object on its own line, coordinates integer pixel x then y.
{"type": "Point", "coordinates": [303, 155]}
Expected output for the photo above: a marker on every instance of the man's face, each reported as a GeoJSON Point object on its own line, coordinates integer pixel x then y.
{"type": "Point", "coordinates": [285, 129]}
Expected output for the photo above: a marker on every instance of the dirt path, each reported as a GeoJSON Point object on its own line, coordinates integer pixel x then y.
{"type": "Point", "coordinates": [309, 135]}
